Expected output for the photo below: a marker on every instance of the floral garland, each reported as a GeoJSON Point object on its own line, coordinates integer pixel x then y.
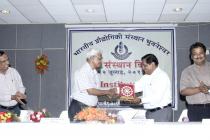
{"type": "Point", "coordinates": [38, 115]}
{"type": "Point", "coordinates": [95, 114]}
{"type": "Point", "coordinates": [6, 117]}
{"type": "Point", "coordinates": [41, 64]}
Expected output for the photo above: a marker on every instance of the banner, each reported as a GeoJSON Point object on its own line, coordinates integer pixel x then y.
{"type": "Point", "coordinates": [122, 51]}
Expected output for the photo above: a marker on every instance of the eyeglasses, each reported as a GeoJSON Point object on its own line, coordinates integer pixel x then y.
{"type": "Point", "coordinates": [99, 58]}
{"type": "Point", "coordinates": [4, 61]}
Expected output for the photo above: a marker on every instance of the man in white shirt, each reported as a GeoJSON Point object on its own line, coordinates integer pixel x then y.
{"type": "Point", "coordinates": [156, 87]}
{"type": "Point", "coordinates": [12, 90]}
{"type": "Point", "coordinates": [87, 84]}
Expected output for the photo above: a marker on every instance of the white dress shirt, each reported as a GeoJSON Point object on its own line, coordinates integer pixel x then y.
{"type": "Point", "coordinates": [10, 83]}
{"type": "Point", "coordinates": [156, 89]}
{"type": "Point", "coordinates": [85, 78]}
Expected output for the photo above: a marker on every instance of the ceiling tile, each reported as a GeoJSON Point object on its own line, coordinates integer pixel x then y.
{"type": "Point", "coordinates": [116, 12]}
{"type": "Point", "coordinates": [33, 10]}
{"type": "Point", "coordinates": [202, 9]}
{"type": "Point", "coordinates": [2, 22]}
{"type": "Point", "coordinates": [147, 10]}
{"type": "Point", "coordinates": [96, 16]}
{"type": "Point", "coordinates": [180, 1]}
{"type": "Point", "coordinates": [170, 15]}
{"type": "Point", "coordinates": [86, 2]}
{"type": "Point", "coordinates": [15, 17]}
{"type": "Point", "coordinates": [172, 18]}
{"type": "Point", "coordinates": [61, 10]}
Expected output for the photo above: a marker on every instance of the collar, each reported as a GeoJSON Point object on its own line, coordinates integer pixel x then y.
{"type": "Point", "coordinates": [200, 66]}
{"type": "Point", "coordinates": [90, 68]}
{"type": "Point", "coordinates": [6, 71]}
{"type": "Point", "coordinates": [157, 69]}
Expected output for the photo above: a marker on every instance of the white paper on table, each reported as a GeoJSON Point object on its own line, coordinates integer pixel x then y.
{"type": "Point", "coordinates": [25, 115]}
{"type": "Point", "coordinates": [129, 115]}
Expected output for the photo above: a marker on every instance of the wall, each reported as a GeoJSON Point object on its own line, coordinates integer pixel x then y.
{"type": "Point", "coordinates": [24, 42]}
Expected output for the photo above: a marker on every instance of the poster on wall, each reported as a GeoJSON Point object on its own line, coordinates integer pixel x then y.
{"type": "Point", "coordinates": [122, 50]}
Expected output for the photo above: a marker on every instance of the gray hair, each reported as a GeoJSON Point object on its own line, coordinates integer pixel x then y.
{"type": "Point", "coordinates": [91, 53]}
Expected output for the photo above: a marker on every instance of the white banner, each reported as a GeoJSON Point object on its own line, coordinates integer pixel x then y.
{"type": "Point", "coordinates": [122, 51]}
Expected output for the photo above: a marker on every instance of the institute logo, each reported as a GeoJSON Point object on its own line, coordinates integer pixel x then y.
{"type": "Point", "coordinates": [126, 90]}
{"type": "Point", "coordinates": [121, 52]}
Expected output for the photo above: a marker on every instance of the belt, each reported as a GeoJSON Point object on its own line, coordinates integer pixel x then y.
{"type": "Point", "coordinates": [78, 102]}
{"type": "Point", "coordinates": [158, 108]}
{"type": "Point", "coordinates": [200, 105]}
{"type": "Point", "coordinates": [81, 104]}
{"type": "Point", "coordinates": [8, 107]}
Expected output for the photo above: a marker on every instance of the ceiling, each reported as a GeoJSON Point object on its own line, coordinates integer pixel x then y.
{"type": "Point", "coordinates": [103, 11]}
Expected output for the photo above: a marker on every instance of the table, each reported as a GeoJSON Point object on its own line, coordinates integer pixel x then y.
{"type": "Point", "coordinates": [94, 131]}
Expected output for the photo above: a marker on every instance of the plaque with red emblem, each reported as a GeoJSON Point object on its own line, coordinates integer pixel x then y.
{"type": "Point", "coordinates": [126, 90]}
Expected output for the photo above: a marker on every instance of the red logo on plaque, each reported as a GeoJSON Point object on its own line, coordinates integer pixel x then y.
{"type": "Point", "coordinates": [126, 89]}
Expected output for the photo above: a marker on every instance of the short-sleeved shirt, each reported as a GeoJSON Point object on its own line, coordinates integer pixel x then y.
{"type": "Point", "coordinates": [191, 77]}
{"type": "Point", "coordinates": [85, 78]}
{"type": "Point", "coordinates": [156, 89]}
{"type": "Point", "coordinates": [10, 83]}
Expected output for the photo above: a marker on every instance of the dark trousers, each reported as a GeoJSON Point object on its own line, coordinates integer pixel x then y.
{"type": "Point", "coordinates": [198, 112]}
{"type": "Point", "coordinates": [15, 109]}
{"type": "Point", "coordinates": [161, 115]}
{"type": "Point", "coordinates": [74, 108]}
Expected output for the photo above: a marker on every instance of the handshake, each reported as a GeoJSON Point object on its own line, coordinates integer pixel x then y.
{"type": "Point", "coordinates": [113, 93]}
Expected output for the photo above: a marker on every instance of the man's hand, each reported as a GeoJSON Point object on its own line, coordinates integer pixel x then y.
{"type": "Point", "coordinates": [113, 93]}
{"type": "Point", "coordinates": [18, 96]}
{"type": "Point", "coordinates": [203, 88]}
{"type": "Point", "coordinates": [137, 100]}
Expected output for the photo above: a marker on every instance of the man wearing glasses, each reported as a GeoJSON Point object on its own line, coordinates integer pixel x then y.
{"type": "Point", "coordinates": [12, 90]}
{"type": "Point", "coordinates": [87, 84]}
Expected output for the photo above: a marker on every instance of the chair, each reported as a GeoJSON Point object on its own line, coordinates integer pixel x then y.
{"type": "Point", "coordinates": [183, 117]}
